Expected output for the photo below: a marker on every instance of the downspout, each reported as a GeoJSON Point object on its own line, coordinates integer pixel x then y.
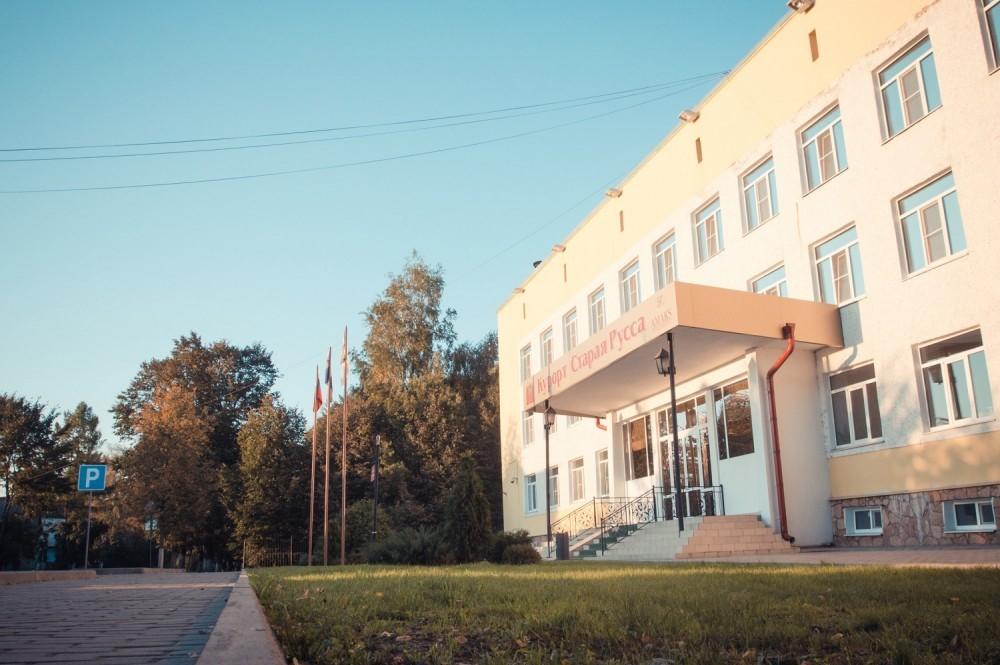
{"type": "Point", "coordinates": [788, 333]}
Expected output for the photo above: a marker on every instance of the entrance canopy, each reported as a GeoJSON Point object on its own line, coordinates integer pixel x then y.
{"type": "Point", "coordinates": [710, 326]}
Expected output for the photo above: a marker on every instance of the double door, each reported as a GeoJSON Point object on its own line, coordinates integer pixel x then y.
{"type": "Point", "coordinates": [695, 452]}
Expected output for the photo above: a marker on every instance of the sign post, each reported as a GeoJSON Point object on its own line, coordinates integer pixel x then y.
{"type": "Point", "coordinates": [91, 478]}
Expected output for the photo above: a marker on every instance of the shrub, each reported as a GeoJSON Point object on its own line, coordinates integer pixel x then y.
{"type": "Point", "coordinates": [504, 539]}
{"type": "Point", "coordinates": [422, 547]}
{"type": "Point", "coordinates": [521, 553]}
{"type": "Point", "coordinates": [467, 525]}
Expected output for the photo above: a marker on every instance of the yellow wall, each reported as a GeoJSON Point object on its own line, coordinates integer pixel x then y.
{"type": "Point", "coordinates": [957, 462]}
{"type": "Point", "coordinates": [774, 82]}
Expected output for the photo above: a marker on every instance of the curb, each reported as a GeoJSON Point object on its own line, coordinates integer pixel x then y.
{"type": "Point", "coordinates": [25, 576]}
{"type": "Point", "coordinates": [242, 635]}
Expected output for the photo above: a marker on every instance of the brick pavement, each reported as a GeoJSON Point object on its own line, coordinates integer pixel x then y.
{"type": "Point", "coordinates": [113, 620]}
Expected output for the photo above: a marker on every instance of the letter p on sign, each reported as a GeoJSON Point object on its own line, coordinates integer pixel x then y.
{"type": "Point", "coordinates": [92, 477]}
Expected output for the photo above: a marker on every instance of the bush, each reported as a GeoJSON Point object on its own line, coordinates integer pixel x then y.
{"type": "Point", "coordinates": [422, 547]}
{"type": "Point", "coordinates": [504, 539]}
{"type": "Point", "coordinates": [467, 526]}
{"type": "Point", "coordinates": [521, 553]}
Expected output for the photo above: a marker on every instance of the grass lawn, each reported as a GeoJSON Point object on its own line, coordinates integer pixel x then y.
{"type": "Point", "coordinates": [620, 613]}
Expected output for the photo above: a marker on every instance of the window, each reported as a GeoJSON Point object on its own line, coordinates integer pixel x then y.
{"type": "Point", "coordinates": [771, 283]}
{"type": "Point", "coordinates": [572, 420]}
{"type": "Point", "coordinates": [569, 330]}
{"type": "Point", "coordinates": [554, 426]}
{"type": "Point", "coordinates": [856, 416]}
{"type": "Point", "coordinates": [638, 449]}
{"type": "Point", "coordinates": [530, 493]}
{"type": "Point", "coordinates": [732, 419]}
{"type": "Point", "coordinates": [956, 383]}
{"type": "Point", "coordinates": [708, 231]}
{"type": "Point", "coordinates": [663, 262]}
{"type": "Point", "coordinates": [931, 223]}
{"type": "Point", "coordinates": [527, 427]}
{"type": "Point", "coordinates": [596, 302]}
{"type": "Point", "coordinates": [760, 194]}
{"type": "Point", "coordinates": [554, 486]}
{"type": "Point", "coordinates": [991, 12]}
{"type": "Point", "coordinates": [909, 88]}
{"type": "Point", "coordinates": [838, 268]}
{"type": "Point", "coordinates": [577, 486]}
{"type": "Point", "coordinates": [629, 278]}
{"type": "Point", "coordinates": [525, 363]}
{"type": "Point", "coordinates": [823, 151]}
{"type": "Point", "coordinates": [545, 347]}
{"type": "Point", "coordinates": [969, 516]}
{"type": "Point", "coordinates": [603, 477]}
{"type": "Point", "coordinates": [863, 521]}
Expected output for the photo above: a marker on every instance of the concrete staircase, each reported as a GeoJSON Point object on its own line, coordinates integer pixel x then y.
{"type": "Point", "coordinates": [657, 541]}
{"type": "Point", "coordinates": [730, 535]}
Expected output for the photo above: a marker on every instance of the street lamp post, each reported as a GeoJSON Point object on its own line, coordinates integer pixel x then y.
{"type": "Point", "coordinates": [550, 419]}
{"type": "Point", "coordinates": [665, 367]}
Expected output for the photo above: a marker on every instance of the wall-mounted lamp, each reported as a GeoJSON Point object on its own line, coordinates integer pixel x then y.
{"type": "Point", "coordinates": [558, 248]}
{"type": "Point", "coordinates": [689, 116]}
{"type": "Point", "coordinates": [535, 264]}
{"type": "Point", "coordinates": [518, 290]}
{"type": "Point", "coordinates": [801, 6]}
{"type": "Point", "coordinates": [613, 193]}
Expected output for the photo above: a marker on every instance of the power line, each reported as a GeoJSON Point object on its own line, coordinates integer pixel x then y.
{"type": "Point", "coordinates": [603, 100]}
{"type": "Point", "coordinates": [366, 126]}
{"type": "Point", "coordinates": [365, 162]}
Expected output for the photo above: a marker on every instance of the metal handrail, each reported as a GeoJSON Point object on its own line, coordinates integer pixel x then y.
{"type": "Point", "coordinates": [588, 515]}
{"type": "Point", "coordinates": [638, 511]}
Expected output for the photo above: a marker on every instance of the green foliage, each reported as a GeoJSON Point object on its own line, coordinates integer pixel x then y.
{"type": "Point", "coordinates": [418, 547]}
{"type": "Point", "coordinates": [520, 553]}
{"type": "Point", "coordinates": [504, 539]}
{"type": "Point", "coordinates": [467, 516]}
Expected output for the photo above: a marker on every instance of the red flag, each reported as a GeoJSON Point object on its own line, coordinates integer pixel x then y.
{"type": "Point", "coordinates": [318, 397]}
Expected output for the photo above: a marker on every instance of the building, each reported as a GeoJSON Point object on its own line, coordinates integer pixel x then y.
{"type": "Point", "coordinates": [839, 179]}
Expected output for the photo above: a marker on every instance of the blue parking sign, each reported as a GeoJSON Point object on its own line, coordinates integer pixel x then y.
{"type": "Point", "coordinates": [92, 477]}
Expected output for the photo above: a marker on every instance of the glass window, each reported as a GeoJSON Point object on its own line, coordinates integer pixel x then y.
{"type": "Point", "coordinates": [554, 486]}
{"type": "Point", "coordinates": [569, 330]}
{"type": "Point", "coordinates": [596, 303]}
{"type": "Point", "coordinates": [545, 347]}
{"type": "Point", "coordinates": [732, 418]}
{"type": "Point", "coordinates": [638, 448]}
{"type": "Point", "coordinates": [823, 150]}
{"type": "Point", "coordinates": [991, 12]}
{"type": "Point", "coordinates": [856, 416]}
{"type": "Point", "coordinates": [603, 476]}
{"type": "Point", "coordinates": [629, 278]}
{"type": "Point", "coordinates": [663, 261]}
{"type": "Point", "coordinates": [525, 363]}
{"type": "Point", "coordinates": [528, 427]}
{"type": "Point", "coordinates": [863, 521]}
{"type": "Point", "coordinates": [931, 223]}
{"type": "Point", "coordinates": [838, 268]}
{"type": "Point", "coordinates": [909, 88]}
{"type": "Point", "coordinates": [530, 493]}
{"type": "Point", "coordinates": [708, 231]}
{"type": "Point", "coordinates": [760, 194]}
{"type": "Point", "coordinates": [975, 515]}
{"type": "Point", "coordinates": [577, 484]}
{"type": "Point", "coordinates": [956, 382]}
{"type": "Point", "coordinates": [572, 420]}
{"type": "Point", "coordinates": [772, 283]}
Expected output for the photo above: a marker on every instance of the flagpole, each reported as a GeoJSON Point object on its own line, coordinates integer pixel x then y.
{"type": "Point", "coordinates": [343, 465]}
{"type": "Point", "coordinates": [326, 481]}
{"type": "Point", "coordinates": [312, 483]}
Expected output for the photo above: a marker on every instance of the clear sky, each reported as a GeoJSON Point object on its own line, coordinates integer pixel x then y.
{"type": "Point", "coordinates": [94, 282]}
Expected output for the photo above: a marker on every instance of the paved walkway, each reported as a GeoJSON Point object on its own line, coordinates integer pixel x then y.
{"type": "Point", "coordinates": [112, 619]}
{"type": "Point", "coordinates": [951, 557]}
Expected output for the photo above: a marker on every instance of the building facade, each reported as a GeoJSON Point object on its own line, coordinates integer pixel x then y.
{"type": "Point", "coordinates": [839, 179]}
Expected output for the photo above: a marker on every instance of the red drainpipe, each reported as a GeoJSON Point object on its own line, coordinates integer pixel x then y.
{"type": "Point", "coordinates": [788, 332]}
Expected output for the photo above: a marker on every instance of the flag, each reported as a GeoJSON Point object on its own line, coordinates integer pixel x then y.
{"type": "Point", "coordinates": [329, 371]}
{"type": "Point", "coordinates": [318, 397]}
{"type": "Point", "coordinates": [343, 354]}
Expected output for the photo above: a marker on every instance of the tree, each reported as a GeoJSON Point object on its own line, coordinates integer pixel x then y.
{"type": "Point", "coordinates": [82, 439]}
{"type": "Point", "coordinates": [467, 528]}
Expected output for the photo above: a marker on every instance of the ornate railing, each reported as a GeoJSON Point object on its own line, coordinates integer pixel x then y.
{"type": "Point", "coordinates": [588, 516]}
{"type": "Point", "coordinates": [633, 513]}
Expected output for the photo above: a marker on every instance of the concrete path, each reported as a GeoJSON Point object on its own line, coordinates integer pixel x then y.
{"type": "Point", "coordinates": [113, 620]}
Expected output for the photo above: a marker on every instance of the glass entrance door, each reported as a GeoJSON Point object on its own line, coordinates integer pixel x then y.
{"type": "Point", "coordinates": [695, 459]}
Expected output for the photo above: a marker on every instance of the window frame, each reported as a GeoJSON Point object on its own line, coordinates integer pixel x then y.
{"type": "Point", "coordinates": [603, 470]}
{"type": "Point", "coordinates": [530, 500]}
{"type": "Point", "coordinates": [942, 363]}
{"type": "Point", "coordinates": [805, 143]}
{"type": "Point", "coordinates": [945, 223]}
{"type": "Point", "coordinates": [554, 485]}
{"type": "Point", "coordinates": [844, 249]}
{"type": "Point", "coordinates": [569, 322]}
{"type": "Point", "coordinates": [770, 178]}
{"type": "Point", "coordinates": [992, 39]}
{"type": "Point", "coordinates": [597, 298]}
{"type": "Point", "coordinates": [847, 391]}
{"type": "Point", "coordinates": [980, 527]}
{"type": "Point", "coordinates": [577, 476]}
{"type": "Point", "coordinates": [546, 351]}
{"type": "Point", "coordinates": [649, 447]}
{"type": "Point", "coordinates": [850, 521]}
{"type": "Point", "coordinates": [916, 65]}
{"type": "Point", "coordinates": [525, 363]}
{"type": "Point", "coordinates": [527, 428]}
{"type": "Point", "coordinates": [662, 248]}
{"type": "Point", "coordinates": [777, 286]}
{"type": "Point", "coordinates": [628, 277]}
{"type": "Point", "coordinates": [722, 437]}
{"type": "Point", "coordinates": [710, 211]}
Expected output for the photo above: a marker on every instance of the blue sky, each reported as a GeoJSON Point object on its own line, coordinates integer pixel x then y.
{"type": "Point", "coordinates": [95, 282]}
